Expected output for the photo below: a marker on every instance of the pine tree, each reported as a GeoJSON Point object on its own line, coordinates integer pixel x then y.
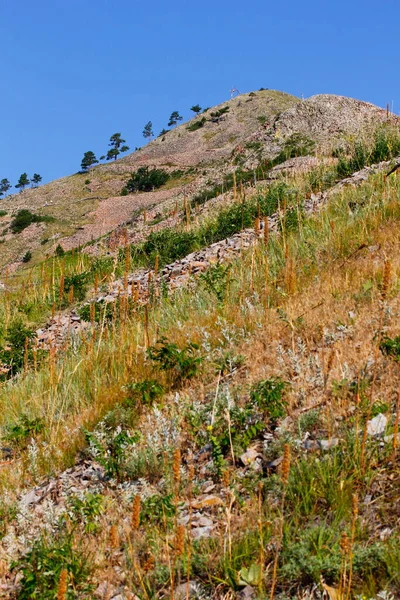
{"type": "Point", "coordinates": [148, 130]}
{"type": "Point", "coordinates": [196, 108]}
{"type": "Point", "coordinates": [36, 179]}
{"type": "Point", "coordinates": [89, 159]}
{"type": "Point", "coordinates": [23, 181]}
{"type": "Point", "coordinates": [174, 118]}
{"type": "Point", "coordinates": [117, 147]}
{"type": "Point", "coordinates": [5, 185]}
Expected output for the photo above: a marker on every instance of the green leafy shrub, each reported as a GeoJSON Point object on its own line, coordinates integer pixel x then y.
{"type": "Point", "coordinates": [216, 115]}
{"type": "Point", "coordinates": [295, 145]}
{"type": "Point", "coordinates": [197, 124]}
{"type": "Point", "coordinates": [391, 347]}
{"type": "Point", "coordinates": [206, 195]}
{"type": "Point", "coordinates": [17, 349]}
{"type": "Point", "coordinates": [217, 452]}
{"type": "Point", "coordinates": [291, 219]}
{"type": "Point", "coordinates": [42, 566]}
{"type": "Point", "coordinates": [3, 213]}
{"type": "Point", "coordinates": [230, 220]}
{"type": "Point", "coordinates": [59, 251]}
{"type": "Point", "coordinates": [386, 145]}
{"type": "Point", "coordinates": [144, 392]}
{"type": "Point", "coordinates": [321, 178]}
{"type": "Point", "coordinates": [78, 282]}
{"type": "Point", "coordinates": [24, 218]}
{"type": "Point", "coordinates": [180, 364]}
{"type": "Point", "coordinates": [216, 280]}
{"type": "Point", "coordinates": [27, 256]}
{"type": "Point", "coordinates": [246, 424]}
{"type": "Point", "coordinates": [86, 510]}
{"type": "Point", "coordinates": [241, 176]}
{"type": "Point", "coordinates": [239, 215]}
{"type": "Point", "coordinates": [269, 200]}
{"type": "Point", "coordinates": [23, 430]}
{"type": "Point", "coordinates": [145, 180]}
{"type": "Point", "coordinates": [109, 447]}
{"type": "Point", "coordinates": [157, 509]}
{"type": "Point", "coordinates": [268, 395]}
{"type": "Point", "coordinates": [357, 161]}
{"type": "Point", "coordinates": [101, 310]}
{"type": "Point", "coordinates": [316, 554]}
{"type": "Point", "coordinates": [169, 245]}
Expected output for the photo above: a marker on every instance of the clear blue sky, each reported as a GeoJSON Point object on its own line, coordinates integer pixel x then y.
{"type": "Point", "coordinates": [75, 72]}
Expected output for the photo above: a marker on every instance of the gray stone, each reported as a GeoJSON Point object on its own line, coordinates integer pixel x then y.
{"type": "Point", "coordinates": [190, 589]}
{"type": "Point", "coordinates": [105, 590]}
{"type": "Point", "coordinates": [30, 498]}
{"type": "Point", "coordinates": [201, 532]}
{"type": "Point", "coordinates": [327, 444]}
{"type": "Point", "coordinates": [247, 593]}
{"type": "Point", "coordinates": [250, 456]}
{"type": "Point", "coordinates": [377, 425]}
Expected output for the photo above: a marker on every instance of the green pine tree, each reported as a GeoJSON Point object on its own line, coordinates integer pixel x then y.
{"type": "Point", "coordinates": [89, 159]}
{"type": "Point", "coordinates": [117, 147]}
{"type": "Point", "coordinates": [196, 108]}
{"type": "Point", "coordinates": [23, 181]}
{"type": "Point", "coordinates": [174, 118]}
{"type": "Point", "coordinates": [148, 130]}
{"type": "Point", "coordinates": [36, 179]}
{"type": "Point", "coordinates": [5, 185]}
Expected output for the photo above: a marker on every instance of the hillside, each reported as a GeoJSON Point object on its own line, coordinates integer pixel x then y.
{"type": "Point", "coordinates": [85, 207]}
{"type": "Point", "coordinates": [200, 392]}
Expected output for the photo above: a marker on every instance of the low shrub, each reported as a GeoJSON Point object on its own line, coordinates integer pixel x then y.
{"type": "Point", "coordinates": [17, 348]}
{"type": "Point", "coordinates": [23, 430]}
{"type": "Point", "coordinates": [146, 180]}
{"type": "Point", "coordinates": [110, 448]}
{"type": "Point", "coordinates": [144, 393]}
{"type": "Point", "coordinates": [180, 364]}
{"type": "Point", "coordinates": [391, 347]}
{"type": "Point", "coordinates": [59, 251]}
{"type": "Point", "coordinates": [216, 280]}
{"type": "Point", "coordinates": [41, 568]}
{"type": "Point", "coordinates": [78, 282]}
{"type": "Point", "coordinates": [169, 245]}
{"type": "Point", "coordinates": [295, 145]}
{"type": "Point", "coordinates": [197, 124]}
{"type": "Point", "coordinates": [24, 218]}
{"type": "Point", "coordinates": [27, 256]}
{"type": "Point", "coordinates": [268, 395]}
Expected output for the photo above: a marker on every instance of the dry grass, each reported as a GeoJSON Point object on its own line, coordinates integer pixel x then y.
{"type": "Point", "coordinates": [306, 307]}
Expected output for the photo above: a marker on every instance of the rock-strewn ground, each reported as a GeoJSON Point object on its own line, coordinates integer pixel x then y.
{"type": "Point", "coordinates": [179, 273]}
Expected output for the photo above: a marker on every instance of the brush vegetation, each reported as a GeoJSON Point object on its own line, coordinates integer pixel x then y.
{"type": "Point", "coordinates": [287, 353]}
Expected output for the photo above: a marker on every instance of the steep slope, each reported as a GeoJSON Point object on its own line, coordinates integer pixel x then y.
{"type": "Point", "coordinates": [242, 131]}
{"type": "Point", "coordinates": [251, 452]}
